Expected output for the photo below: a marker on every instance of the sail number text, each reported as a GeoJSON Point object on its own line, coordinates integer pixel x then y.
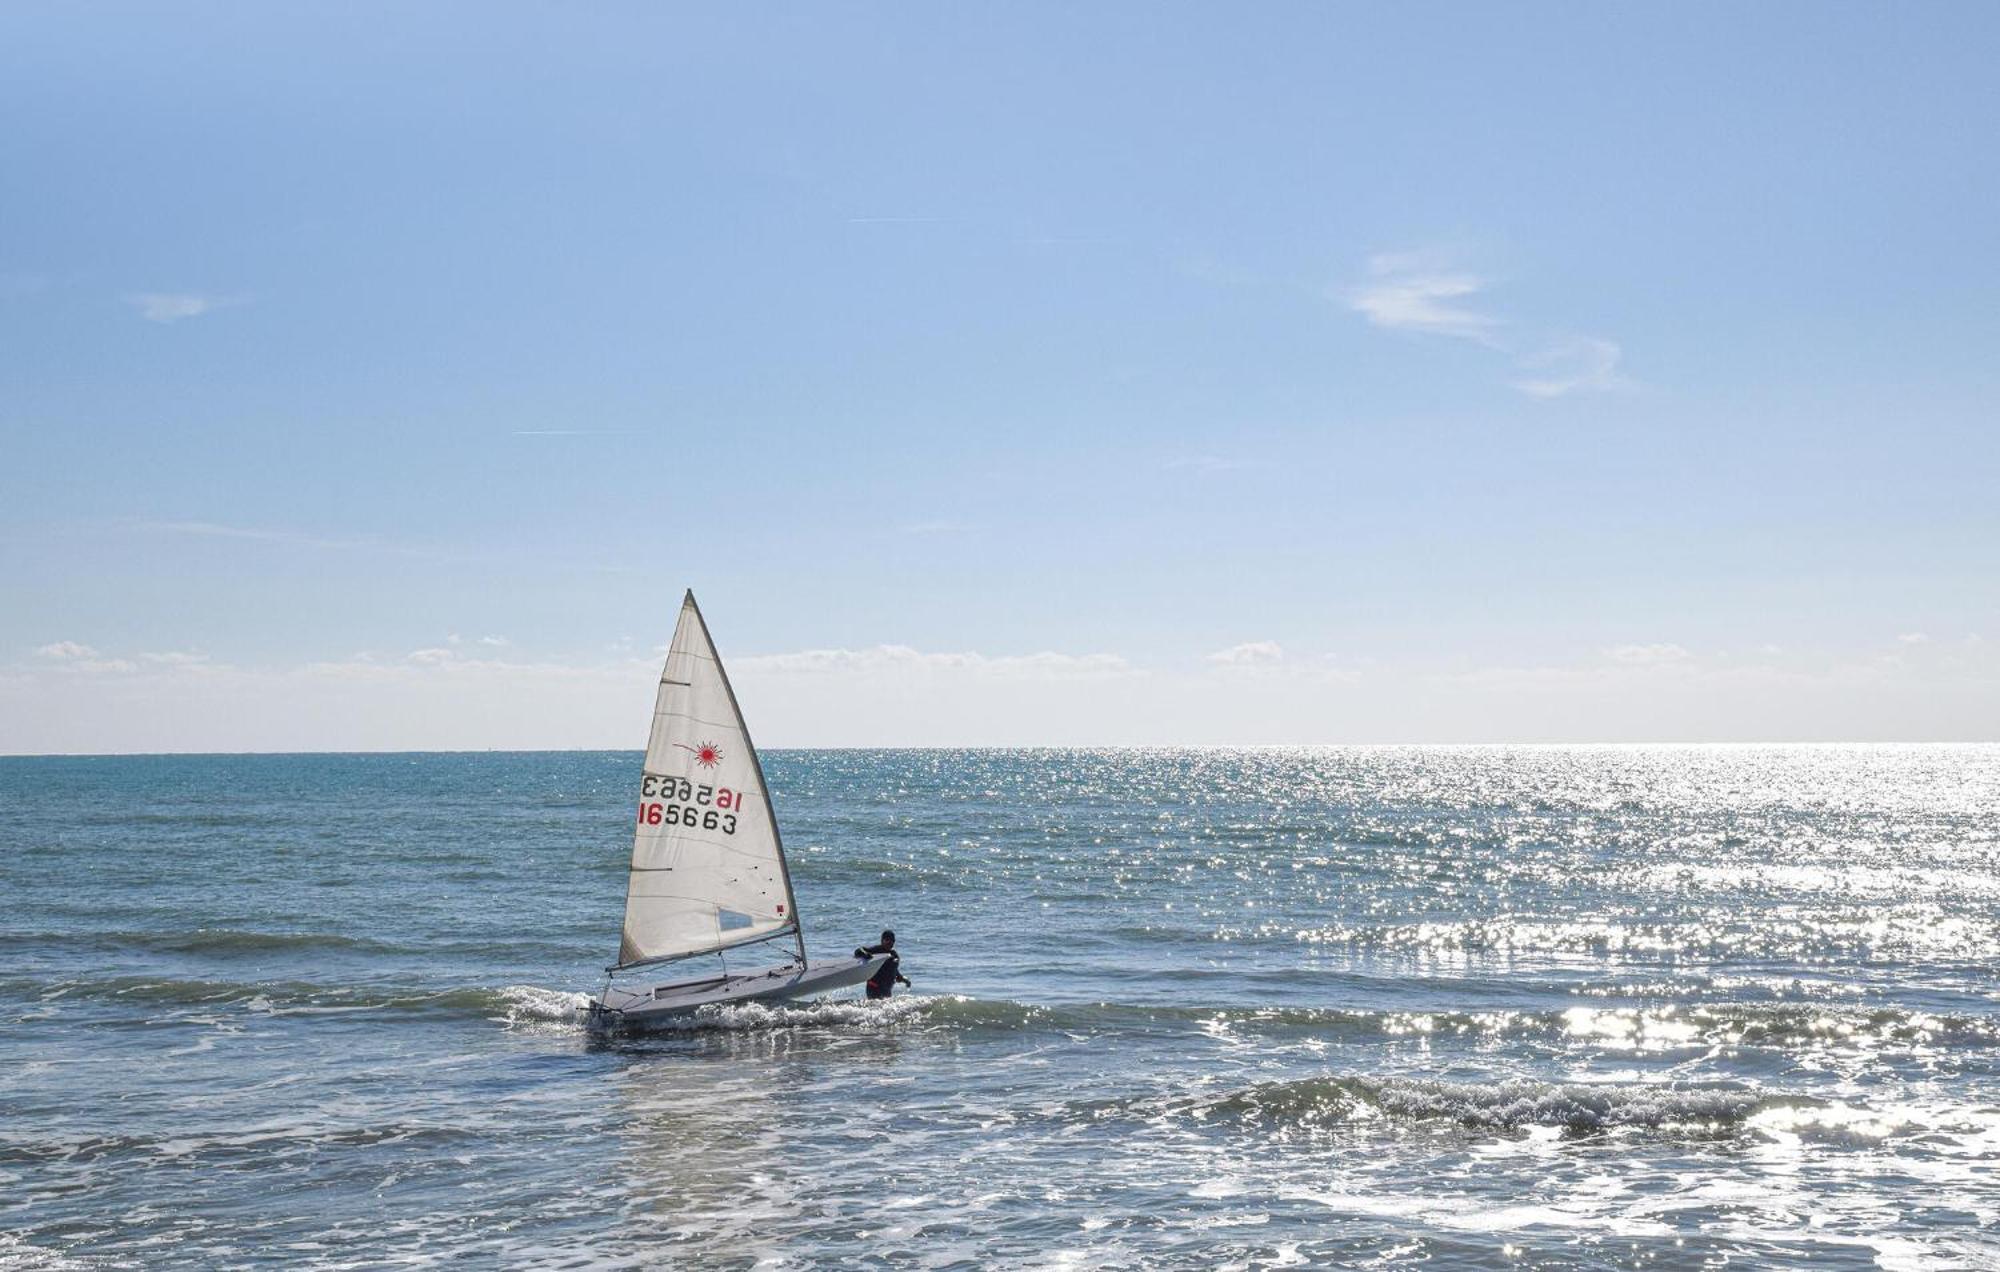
{"type": "Point", "coordinates": [682, 803]}
{"type": "Point", "coordinates": [686, 815]}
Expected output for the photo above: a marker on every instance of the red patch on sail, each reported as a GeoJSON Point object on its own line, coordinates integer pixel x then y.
{"type": "Point", "coordinates": [781, 907]}
{"type": "Point", "coordinates": [708, 756]}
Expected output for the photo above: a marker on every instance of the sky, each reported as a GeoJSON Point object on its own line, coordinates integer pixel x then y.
{"type": "Point", "coordinates": [377, 377]}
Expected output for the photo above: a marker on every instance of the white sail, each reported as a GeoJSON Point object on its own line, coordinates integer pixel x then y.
{"type": "Point", "coordinates": [708, 871]}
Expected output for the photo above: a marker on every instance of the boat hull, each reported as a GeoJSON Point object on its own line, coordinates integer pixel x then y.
{"type": "Point", "coordinates": [671, 1003]}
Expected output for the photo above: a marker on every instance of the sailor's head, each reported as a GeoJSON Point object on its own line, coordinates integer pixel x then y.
{"type": "Point", "coordinates": [888, 937]}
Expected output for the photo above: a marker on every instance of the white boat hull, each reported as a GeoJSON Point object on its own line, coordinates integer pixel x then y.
{"type": "Point", "coordinates": [672, 1002]}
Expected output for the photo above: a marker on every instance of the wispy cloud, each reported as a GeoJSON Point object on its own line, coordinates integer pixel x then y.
{"type": "Point", "coordinates": [1420, 291]}
{"type": "Point", "coordinates": [74, 655]}
{"type": "Point", "coordinates": [1914, 638]}
{"type": "Point", "coordinates": [1654, 655]}
{"type": "Point", "coordinates": [491, 642]}
{"type": "Point", "coordinates": [273, 535]}
{"type": "Point", "coordinates": [1210, 463]}
{"type": "Point", "coordinates": [1584, 364]}
{"type": "Point", "coordinates": [900, 659]}
{"type": "Point", "coordinates": [186, 659]}
{"type": "Point", "coordinates": [1254, 653]}
{"type": "Point", "coordinates": [1429, 293]}
{"type": "Point", "coordinates": [216, 530]}
{"type": "Point", "coordinates": [175, 306]}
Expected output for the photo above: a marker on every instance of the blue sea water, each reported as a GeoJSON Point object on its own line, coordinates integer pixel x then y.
{"type": "Point", "coordinates": [1460, 1007]}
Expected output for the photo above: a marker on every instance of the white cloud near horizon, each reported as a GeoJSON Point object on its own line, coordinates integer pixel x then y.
{"type": "Point", "coordinates": [165, 307]}
{"type": "Point", "coordinates": [75, 656]}
{"type": "Point", "coordinates": [1253, 653]}
{"type": "Point", "coordinates": [1654, 655]}
{"type": "Point", "coordinates": [73, 697]}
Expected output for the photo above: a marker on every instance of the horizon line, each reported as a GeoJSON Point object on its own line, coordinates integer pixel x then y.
{"type": "Point", "coordinates": [987, 746]}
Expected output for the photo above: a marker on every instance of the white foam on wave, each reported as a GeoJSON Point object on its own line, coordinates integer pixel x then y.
{"type": "Point", "coordinates": [17, 1255]}
{"type": "Point", "coordinates": [529, 1006]}
{"type": "Point", "coordinates": [532, 1007]}
{"type": "Point", "coordinates": [1577, 1105]}
{"type": "Point", "coordinates": [1456, 1216]}
{"type": "Point", "coordinates": [849, 1013]}
{"type": "Point", "coordinates": [1514, 1106]}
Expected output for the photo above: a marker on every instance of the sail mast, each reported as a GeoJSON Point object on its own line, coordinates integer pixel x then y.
{"type": "Point", "coordinates": [756, 763]}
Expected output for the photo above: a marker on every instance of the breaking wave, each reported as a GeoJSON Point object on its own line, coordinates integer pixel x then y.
{"type": "Point", "coordinates": [1504, 1106]}
{"type": "Point", "coordinates": [1664, 1027]}
{"type": "Point", "coordinates": [515, 1002]}
{"type": "Point", "coordinates": [1331, 1102]}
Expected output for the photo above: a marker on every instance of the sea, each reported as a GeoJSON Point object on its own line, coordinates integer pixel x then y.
{"type": "Point", "coordinates": [1450, 1007]}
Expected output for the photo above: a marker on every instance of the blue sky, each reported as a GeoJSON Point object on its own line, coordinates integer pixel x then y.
{"type": "Point", "coordinates": [1030, 373]}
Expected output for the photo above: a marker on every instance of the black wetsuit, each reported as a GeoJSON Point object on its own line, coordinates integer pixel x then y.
{"type": "Point", "coordinates": [883, 982]}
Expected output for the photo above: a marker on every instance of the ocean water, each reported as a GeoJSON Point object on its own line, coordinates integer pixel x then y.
{"type": "Point", "coordinates": [1459, 1007]}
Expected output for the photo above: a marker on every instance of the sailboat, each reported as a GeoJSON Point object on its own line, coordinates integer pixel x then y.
{"type": "Point", "coordinates": [708, 869]}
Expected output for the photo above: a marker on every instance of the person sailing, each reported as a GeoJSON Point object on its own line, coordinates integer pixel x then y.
{"type": "Point", "coordinates": [883, 982]}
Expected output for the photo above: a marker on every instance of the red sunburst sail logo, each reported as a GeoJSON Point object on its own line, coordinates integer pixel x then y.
{"type": "Point", "coordinates": [708, 754]}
